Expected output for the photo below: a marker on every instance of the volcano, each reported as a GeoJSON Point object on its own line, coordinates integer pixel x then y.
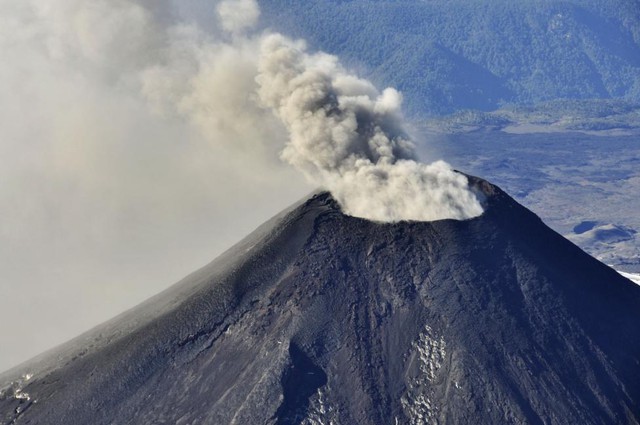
{"type": "Point", "coordinates": [322, 318]}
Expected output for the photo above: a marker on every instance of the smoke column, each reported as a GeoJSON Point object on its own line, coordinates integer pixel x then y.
{"type": "Point", "coordinates": [349, 138]}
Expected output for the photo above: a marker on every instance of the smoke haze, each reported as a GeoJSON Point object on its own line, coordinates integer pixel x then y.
{"type": "Point", "coordinates": [349, 138]}
{"type": "Point", "coordinates": [238, 15]}
{"type": "Point", "coordinates": [135, 148]}
{"type": "Point", "coordinates": [131, 153]}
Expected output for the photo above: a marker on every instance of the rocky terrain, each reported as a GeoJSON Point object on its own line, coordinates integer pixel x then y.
{"type": "Point", "coordinates": [322, 318]}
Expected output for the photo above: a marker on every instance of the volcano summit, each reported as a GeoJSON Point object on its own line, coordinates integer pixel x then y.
{"type": "Point", "coordinates": [322, 318]}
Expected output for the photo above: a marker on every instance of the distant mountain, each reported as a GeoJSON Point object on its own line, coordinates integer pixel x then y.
{"type": "Point", "coordinates": [477, 54]}
{"type": "Point", "coordinates": [603, 117]}
{"type": "Point", "coordinates": [322, 318]}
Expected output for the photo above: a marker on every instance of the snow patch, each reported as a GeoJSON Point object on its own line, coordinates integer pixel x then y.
{"type": "Point", "coordinates": [633, 277]}
{"type": "Point", "coordinates": [15, 391]}
{"type": "Point", "coordinates": [320, 413]}
{"type": "Point", "coordinates": [431, 352]}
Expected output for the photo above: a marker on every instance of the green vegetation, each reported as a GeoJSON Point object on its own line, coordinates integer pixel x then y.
{"type": "Point", "coordinates": [483, 54]}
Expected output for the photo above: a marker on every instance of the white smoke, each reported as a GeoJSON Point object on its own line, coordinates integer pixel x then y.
{"type": "Point", "coordinates": [238, 15]}
{"type": "Point", "coordinates": [349, 138]}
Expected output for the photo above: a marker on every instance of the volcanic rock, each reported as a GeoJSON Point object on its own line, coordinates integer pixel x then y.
{"type": "Point", "coordinates": [322, 318]}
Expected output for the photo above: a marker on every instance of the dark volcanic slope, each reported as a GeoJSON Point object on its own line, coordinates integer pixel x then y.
{"type": "Point", "coordinates": [320, 318]}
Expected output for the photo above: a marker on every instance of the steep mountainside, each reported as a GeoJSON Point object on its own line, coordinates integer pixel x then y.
{"type": "Point", "coordinates": [478, 54]}
{"type": "Point", "coordinates": [318, 317]}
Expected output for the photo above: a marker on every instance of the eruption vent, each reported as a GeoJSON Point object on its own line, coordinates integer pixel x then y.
{"type": "Point", "coordinates": [349, 138]}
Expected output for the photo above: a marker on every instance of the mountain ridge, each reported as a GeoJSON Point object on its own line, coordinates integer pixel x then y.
{"type": "Point", "coordinates": [480, 54]}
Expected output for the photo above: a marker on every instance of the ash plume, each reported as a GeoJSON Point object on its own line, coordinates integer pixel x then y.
{"type": "Point", "coordinates": [349, 138]}
{"type": "Point", "coordinates": [127, 132]}
{"type": "Point", "coordinates": [238, 15]}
